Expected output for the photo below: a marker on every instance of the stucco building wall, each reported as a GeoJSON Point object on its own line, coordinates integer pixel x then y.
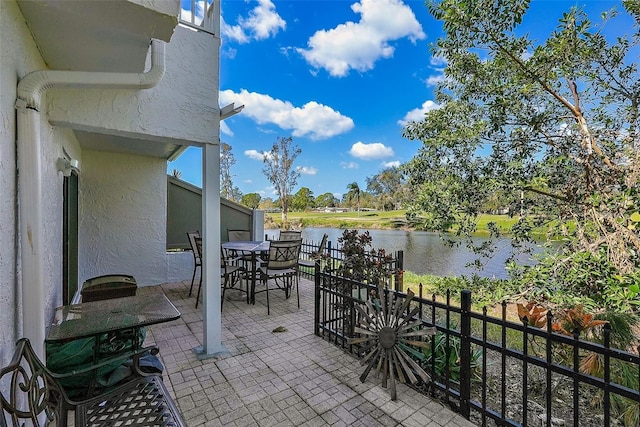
{"type": "Point", "coordinates": [122, 197]}
{"type": "Point", "coordinates": [183, 106]}
{"type": "Point", "coordinates": [18, 57]}
{"type": "Point", "coordinates": [123, 216]}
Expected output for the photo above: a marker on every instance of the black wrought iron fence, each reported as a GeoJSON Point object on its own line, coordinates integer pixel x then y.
{"type": "Point", "coordinates": [491, 369]}
{"type": "Point", "coordinates": [333, 255]}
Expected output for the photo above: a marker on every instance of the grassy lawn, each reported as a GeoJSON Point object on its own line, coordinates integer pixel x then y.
{"type": "Point", "coordinates": [378, 220]}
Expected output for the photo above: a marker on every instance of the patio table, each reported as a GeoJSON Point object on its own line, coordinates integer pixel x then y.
{"type": "Point", "coordinates": [114, 324]}
{"type": "Point", "coordinates": [253, 248]}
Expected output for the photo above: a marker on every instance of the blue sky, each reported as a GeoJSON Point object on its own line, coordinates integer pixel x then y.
{"type": "Point", "coordinates": [340, 77]}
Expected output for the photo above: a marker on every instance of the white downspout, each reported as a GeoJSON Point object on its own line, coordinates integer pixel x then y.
{"type": "Point", "coordinates": [31, 90]}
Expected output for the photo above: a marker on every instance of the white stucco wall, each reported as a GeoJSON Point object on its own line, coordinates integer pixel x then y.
{"type": "Point", "coordinates": [179, 266]}
{"type": "Point", "coordinates": [182, 107]}
{"type": "Point", "coordinates": [123, 216]}
{"type": "Point", "coordinates": [122, 197]}
{"type": "Point", "coordinates": [19, 56]}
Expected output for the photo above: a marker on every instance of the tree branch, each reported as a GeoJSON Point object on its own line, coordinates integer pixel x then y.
{"type": "Point", "coordinates": [575, 109]}
{"type": "Point", "coordinates": [545, 193]}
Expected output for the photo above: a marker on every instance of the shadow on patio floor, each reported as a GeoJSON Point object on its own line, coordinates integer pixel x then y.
{"type": "Point", "coordinates": [290, 378]}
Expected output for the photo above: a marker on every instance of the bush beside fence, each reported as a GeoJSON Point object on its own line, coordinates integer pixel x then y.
{"type": "Point", "coordinates": [492, 369]}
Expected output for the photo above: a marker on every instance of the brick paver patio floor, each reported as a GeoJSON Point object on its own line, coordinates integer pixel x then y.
{"type": "Point", "coordinates": [290, 378]}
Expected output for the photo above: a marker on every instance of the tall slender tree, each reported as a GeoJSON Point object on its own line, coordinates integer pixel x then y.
{"type": "Point", "coordinates": [279, 170]}
{"type": "Point", "coordinates": [227, 160]}
{"type": "Point", "coordinates": [353, 193]}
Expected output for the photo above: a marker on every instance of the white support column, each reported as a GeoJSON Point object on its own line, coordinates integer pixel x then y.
{"type": "Point", "coordinates": [258, 225]}
{"type": "Point", "coordinates": [212, 339]}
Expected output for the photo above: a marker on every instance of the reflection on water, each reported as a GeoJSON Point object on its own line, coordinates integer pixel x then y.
{"type": "Point", "coordinates": [424, 253]}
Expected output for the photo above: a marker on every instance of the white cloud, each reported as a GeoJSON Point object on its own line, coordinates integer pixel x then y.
{"type": "Point", "coordinates": [438, 61]}
{"type": "Point", "coordinates": [375, 150]}
{"type": "Point", "coordinates": [268, 192]}
{"type": "Point", "coordinates": [224, 128]}
{"type": "Point", "coordinates": [358, 45]}
{"type": "Point", "coordinates": [393, 164]}
{"type": "Point", "coordinates": [417, 114]}
{"type": "Point", "coordinates": [314, 120]}
{"type": "Point", "coordinates": [307, 170]}
{"type": "Point", "coordinates": [233, 32]}
{"type": "Point", "coordinates": [228, 52]}
{"type": "Point", "coordinates": [435, 79]}
{"type": "Point", "coordinates": [254, 154]}
{"type": "Point", "coordinates": [263, 22]}
{"type": "Point", "coordinates": [349, 165]}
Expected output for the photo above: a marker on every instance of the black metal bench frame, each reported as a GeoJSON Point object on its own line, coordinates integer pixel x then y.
{"type": "Point", "coordinates": [34, 395]}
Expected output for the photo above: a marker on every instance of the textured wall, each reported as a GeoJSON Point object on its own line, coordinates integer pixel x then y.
{"type": "Point", "coordinates": [123, 216]}
{"type": "Point", "coordinates": [122, 197]}
{"type": "Point", "coordinates": [19, 56]}
{"type": "Point", "coordinates": [179, 266]}
{"type": "Point", "coordinates": [182, 107]}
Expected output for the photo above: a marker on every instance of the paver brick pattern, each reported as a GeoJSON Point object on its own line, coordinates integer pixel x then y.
{"type": "Point", "coordinates": [290, 378]}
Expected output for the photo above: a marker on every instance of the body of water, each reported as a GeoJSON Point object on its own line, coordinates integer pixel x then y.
{"type": "Point", "coordinates": [424, 252]}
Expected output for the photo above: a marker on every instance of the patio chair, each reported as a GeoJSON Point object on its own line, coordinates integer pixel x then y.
{"type": "Point", "coordinates": [33, 396]}
{"type": "Point", "coordinates": [315, 257]}
{"type": "Point", "coordinates": [230, 274]}
{"type": "Point", "coordinates": [290, 235]}
{"type": "Point", "coordinates": [108, 286]}
{"type": "Point", "coordinates": [281, 268]}
{"type": "Point", "coordinates": [238, 235]}
{"type": "Point", "coordinates": [243, 259]}
{"type": "Point", "coordinates": [197, 261]}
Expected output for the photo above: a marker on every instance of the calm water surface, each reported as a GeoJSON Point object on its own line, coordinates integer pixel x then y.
{"type": "Point", "coordinates": [424, 253]}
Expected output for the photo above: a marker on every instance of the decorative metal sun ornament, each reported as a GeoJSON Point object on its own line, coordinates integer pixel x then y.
{"type": "Point", "coordinates": [384, 327]}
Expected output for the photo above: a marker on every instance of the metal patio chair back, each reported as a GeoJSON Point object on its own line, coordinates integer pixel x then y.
{"type": "Point", "coordinates": [281, 268]}
{"type": "Point", "coordinates": [290, 235]}
{"type": "Point", "coordinates": [197, 260]}
{"type": "Point", "coordinates": [230, 274]}
{"type": "Point", "coordinates": [238, 235]}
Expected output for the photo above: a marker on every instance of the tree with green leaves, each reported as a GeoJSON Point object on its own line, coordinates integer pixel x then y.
{"type": "Point", "coordinates": [556, 118]}
{"type": "Point", "coordinates": [251, 200]}
{"type": "Point", "coordinates": [267, 204]}
{"type": "Point", "coordinates": [326, 200]}
{"type": "Point", "coordinates": [388, 188]}
{"type": "Point", "coordinates": [302, 200]}
{"type": "Point", "coordinates": [353, 195]}
{"type": "Point", "coordinates": [279, 170]}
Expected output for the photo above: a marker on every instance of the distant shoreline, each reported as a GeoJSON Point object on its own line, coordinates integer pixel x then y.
{"type": "Point", "coordinates": [387, 220]}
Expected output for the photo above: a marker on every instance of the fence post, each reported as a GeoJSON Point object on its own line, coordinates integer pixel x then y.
{"type": "Point", "coordinates": [465, 353]}
{"type": "Point", "coordinates": [316, 302]}
{"type": "Point", "coordinates": [399, 271]}
{"type": "Point", "coordinates": [607, 374]}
